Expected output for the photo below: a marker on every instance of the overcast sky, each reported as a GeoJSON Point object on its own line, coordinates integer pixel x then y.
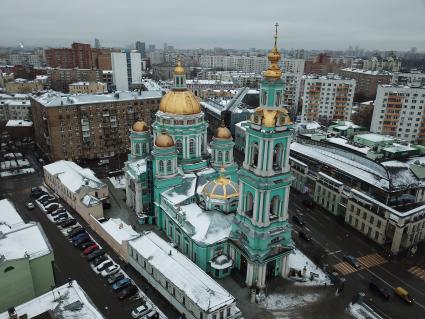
{"type": "Point", "coordinates": [310, 24]}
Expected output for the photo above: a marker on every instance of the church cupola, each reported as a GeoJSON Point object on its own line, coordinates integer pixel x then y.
{"type": "Point", "coordinates": [179, 76]}
{"type": "Point", "coordinates": [139, 140]}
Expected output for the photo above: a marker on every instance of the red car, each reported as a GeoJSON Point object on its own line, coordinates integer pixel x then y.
{"type": "Point", "coordinates": [90, 249]}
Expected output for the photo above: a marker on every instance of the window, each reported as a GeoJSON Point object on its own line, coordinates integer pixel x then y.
{"type": "Point", "coordinates": [161, 166]}
{"type": "Point", "coordinates": [10, 268]}
{"type": "Point", "coordinates": [228, 312]}
{"type": "Point", "coordinates": [219, 157]}
{"type": "Point", "coordinates": [192, 146]}
{"type": "Point", "coordinates": [179, 146]}
{"type": "Point", "coordinates": [221, 314]}
{"type": "Point", "coordinates": [184, 301]}
{"type": "Point", "coordinates": [169, 166]}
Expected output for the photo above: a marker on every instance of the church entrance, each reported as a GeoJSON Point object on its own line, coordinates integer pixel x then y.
{"type": "Point", "coordinates": [270, 268]}
{"type": "Point", "coordinates": [243, 266]}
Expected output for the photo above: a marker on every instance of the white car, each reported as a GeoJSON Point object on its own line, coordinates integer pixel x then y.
{"type": "Point", "coordinates": [110, 270]}
{"type": "Point", "coordinates": [30, 205]}
{"type": "Point", "coordinates": [141, 311]}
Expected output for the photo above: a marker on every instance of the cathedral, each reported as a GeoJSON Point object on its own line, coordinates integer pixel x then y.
{"type": "Point", "coordinates": [223, 217]}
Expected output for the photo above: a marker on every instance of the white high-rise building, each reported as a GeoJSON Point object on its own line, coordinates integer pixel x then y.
{"type": "Point", "coordinates": [399, 111]}
{"type": "Point", "coordinates": [327, 98]}
{"type": "Point", "coordinates": [126, 69]}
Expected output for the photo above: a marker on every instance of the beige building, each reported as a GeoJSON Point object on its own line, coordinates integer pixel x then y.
{"type": "Point", "coordinates": [78, 186]}
{"type": "Point", "coordinates": [89, 126]}
{"type": "Point", "coordinates": [23, 86]}
{"type": "Point", "coordinates": [87, 88]}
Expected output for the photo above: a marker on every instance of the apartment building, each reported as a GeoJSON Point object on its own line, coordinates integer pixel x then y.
{"type": "Point", "coordinates": [399, 112]}
{"type": "Point", "coordinates": [23, 86]}
{"type": "Point", "coordinates": [377, 63]}
{"type": "Point", "coordinates": [26, 59]}
{"type": "Point", "coordinates": [89, 125]}
{"type": "Point", "coordinates": [375, 183]}
{"type": "Point", "coordinates": [367, 81]}
{"type": "Point", "coordinates": [15, 109]}
{"type": "Point", "coordinates": [87, 87]}
{"type": "Point", "coordinates": [406, 78]}
{"type": "Point", "coordinates": [60, 79]}
{"type": "Point", "coordinates": [127, 69]}
{"type": "Point", "coordinates": [78, 56]}
{"type": "Point", "coordinates": [327, 98]}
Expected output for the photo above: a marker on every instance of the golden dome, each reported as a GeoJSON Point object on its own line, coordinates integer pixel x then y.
{"type": "Point", "coordinates": [140, 126]}
{"type": "Point", "coordinates": [179, 69]}
{"type": "Point", "coordinates": [164, 140]}
{"type": "Point", "coordinates": [222, 132]}
{"type": "Point", "coordinates": [221, 188]}
{"type": "Point", "coordinates": [273, 71]}
{"type": "Point", "coordinates": [180, 102]}
{"type": "Point", "coordinates": [269, 118]}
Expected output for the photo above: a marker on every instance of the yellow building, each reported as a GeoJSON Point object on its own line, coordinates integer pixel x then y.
{"type": "Point", "coordinates": [87, 87]}
{"type": "Point", "coordinates": [23, 86]}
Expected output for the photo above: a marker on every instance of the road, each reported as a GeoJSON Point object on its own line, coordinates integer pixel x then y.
{"type": "Point", "coordinates": [334, 239]}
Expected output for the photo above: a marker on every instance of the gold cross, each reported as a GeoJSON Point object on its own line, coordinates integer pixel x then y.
{"type": "Point", "coordinates": [275, 34]}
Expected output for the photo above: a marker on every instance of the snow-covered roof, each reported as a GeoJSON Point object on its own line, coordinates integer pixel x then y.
{"type": "Point", "coordinates": [18, 123]}
{"type": "Point", "coordinates": [344, 143]}
{"type": "Point", "coordinates": [197, 285]}
{"type": "Point", "coordinates": [73, 303]}
{"type": "Point", "coordinates": [52, 99]}
{"type": "Point", "coordinates": [209, 227]}
{"type": "Point", "coordinates": [214, 107]}
{"type": "Point", "coordinates": [89, 201]}
{"type": "Point", "coordinates": [182, 192]}
{"type": "Point", "coordinates": [368, 72]}
{"type": "Point", "coordinates": [151, 85]}
{"type": "Point", "coordinates": [376, 138]}
{"type": "Point", "coordinates": [118, 230]}
{"type": "Point", "coordinates": [73, 176]}
{"type": "Point", "coordinates": [138, 167]}
{"type": "Point", "coordinates": [208, 82]}
{"type": "Point", "coordinates": [24, 241]}
{"type": "Point", "coordinates": [16, 102]}
{"type": "Point", "coordinates": [307, 126]}
{"type": "Point", "coordinates": [9, 217]}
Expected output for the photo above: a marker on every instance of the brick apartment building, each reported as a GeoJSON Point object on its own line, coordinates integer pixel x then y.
{"type": "Point", "coordinates": [75, 127]}
{"type": "Point", "coordinates": [60, 79]}
{"type": "Point", "coordinates": [78, 56]}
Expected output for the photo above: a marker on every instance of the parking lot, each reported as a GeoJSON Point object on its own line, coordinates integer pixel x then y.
{"type": "Point", "coordinates": [71, 264]}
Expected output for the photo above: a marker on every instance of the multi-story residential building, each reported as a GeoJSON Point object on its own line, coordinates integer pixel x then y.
{"type": "Point", "coordinates": [141, 47]}
{"type": "Point", "coordinates": [199, 86]}
{"type": "Point", "coordinates": [15, 109]}
{"type": "Point", "coordinates": [323, 64]}
{"type": "Point", "coordinates": [60, 79]}
{"type": "Point", "coordinates": [26, 259]}
{"type": "Point", "coordinates": [78, 186]}
{"type": "Point", "coordinates": [89, 125]}
{"type": "Point", "coordinates": [127, 69]}
{"type": "Point", "coordinates": [327, 98]}
{"type": "Point", "coordinates": [78, 56]}
{"type": "Point", "coordinates": [399, 111]}
{"type": "Point", "coordinates": [87, 87]}
{"type": "Point", "coordinates": [374, 182]}
{"type": "Point", "coordinates": [23, 86]}
{"type": "Point", "coordinates": [366, 81]}
{"type": "Point", "coordinates": [25, 59]}
{"type": "Point", "coordinates": [376, 63]}
{"type": "Point", "coordinates": [414, 76]}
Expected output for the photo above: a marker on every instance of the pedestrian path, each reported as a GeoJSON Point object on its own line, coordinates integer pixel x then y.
{"type": "Point", "coordinates": [417, 271]}
{"type": "Point", "coordinates": [367, 261]}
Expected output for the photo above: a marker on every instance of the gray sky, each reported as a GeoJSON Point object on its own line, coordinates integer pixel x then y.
{"type": "Point", "coordinates": [321, 24]}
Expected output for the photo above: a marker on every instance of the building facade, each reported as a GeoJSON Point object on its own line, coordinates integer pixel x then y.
{"type": "Point", "coordinates": [126, 68]}
{"type": "Point", "coordinates": [23, 86]}
{"type": "Point", "coordinates": [87, 88]}
{"type": "Point", "coordinates": [78, 56]}
{"type": "Point", "coordinates": [15, 109]}
{"type": "Point", "coordinates": [399, 112]}
{"type": "Point", "coordinates": [327, 98]}
{"type": "Point", "coordinates": [89, 126]}
{"type": "Point", "coordinates": [407, 78]}
{"type": "Point", "coordinates": [59, 79]}
{"type": "Point", "coordinates": [26, 59]}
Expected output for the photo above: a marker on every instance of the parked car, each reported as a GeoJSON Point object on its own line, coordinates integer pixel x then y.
{"type": "Point", "coordinates": [298, 220]}
{"type": "Point", "coordinates": [153, 314]}
{"type": "Point", "coordinates": [76, 232]}
{"type": "Point", "coordinates": [141, 311]}
{"type": "Point", "coordinates": [304, 235]}
{"type": "Point", "coordinates": [78, 236]}
{"type": "Point", "coordinates": [59, 216]}
{"type": "Point", "coordinates": [39, 194]}
{"type": "Point", "coordinates": [90, 249]}
{"type": "Point", "coordinates": [121, 284]}
{"type": "Point", "coordinates": [379, 289]}
{"type": "Point", "coordinates": [110, 270]}
{"type": "Point", "coordinates": [352, 261]}
{"type": "Point", "coordinates": [95, 254]}
{"type": "Point", "coordinates": [128, 292]}
{"type": "Point", "coordinates": [58, 211]}
{"type": "Point", "coordinates": [115, 277]}
{"type": "Point", "coordinates": [45, 198]}
{"type": "Point", "coordinates": [72, 229]}
{"type": "Point", "coordinates": [81, 240]}
{"type": "Point", "coordinates": [30, 205]}
{"type": "Point", "coordinates": [50, 202]}
{"type": "Point", "coordinates": [99, 260]}
{"type": "Point", "coordinates": [104, 265]}
{"type": "Point", "coordinates": [67, 223]}
{"type": "Point", "coordinates": [86, 244]}
{"type": "Point", "coordinates": [404, 294]}
{"type": "Point", "coordinates": [52, 207]}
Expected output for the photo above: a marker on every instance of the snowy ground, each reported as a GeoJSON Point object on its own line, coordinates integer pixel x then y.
{"type": "Point", "coordinates": [298, 261]}
{"type": "Point", "coordinates": [17, 172]}
{"type": "Point", "coordinates": [284, 302]}
{"type": "Point", "coordinates": [358, 311]}
{"type": "Point", "coordinates": [118, 181]}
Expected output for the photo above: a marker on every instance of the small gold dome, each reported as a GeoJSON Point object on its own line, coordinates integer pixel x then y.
{"type": "Point", "coordinates": [179, 69]}
{"type": "Point", "coordinates": [221, 188]}
{"type": "Point", "coordinates": [222, 132]}
{"type": "Point", "coordinates": [274, 72]}
{"type": "Point", "coordinates": [164, 140]}
{"type": "Point", "coordinates": [180, 102]}
{"type": "Point", "coordinates": [269, 118]}
{"type": "Point", "coordinates": [140, 126]}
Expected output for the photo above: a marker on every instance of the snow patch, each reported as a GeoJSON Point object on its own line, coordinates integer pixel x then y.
{"type": "Point", "coordinates": [280, 301]}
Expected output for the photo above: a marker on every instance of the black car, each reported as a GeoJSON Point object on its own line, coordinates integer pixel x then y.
{"type": "Point", "coordinates": [115, 277]}
{"type": "Point", "coordinates": [38, 194]}
{"type": "Point", "coordinates": [379, 289]}
{"type": "Point", "coordinates": [95, 254]}
{"type": "Point", "coordinates": [58, 211]}
{"type": "Point", "coordinates": [52, 207]}
{"type": "Point", "coordinates": [46, 199]}
{"type": "Point", "coordinates": [127, 292]}
{"type": "Point", "coordinates": [60, 216]}
{"type": "Point", "coordinates": [99, 260]}
{"type": "Point", "coordinates": [50, 201]}
{"type": "Point", "coordinates": [304, 235]}
{"type": "Point", "coordinates": [76, 232]}
{"type": "Point", "coordinates": [68, 223]}
{"type": "Point", "coordinates": [298, 220]}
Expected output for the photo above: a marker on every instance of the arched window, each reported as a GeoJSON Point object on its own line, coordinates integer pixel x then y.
{"type": "Point", "coordinates": [254, 158]}
{"type": "Point", "coordinates": [144, 148]}
{"type": "Point", "coordinates": [277, 156]}
{"type": "Point", "coordinates": [249, 211]}
{"type": "Point", "coordinates": [263, 97]}
{"type": "Point", "coordinates": [274, 207]}
{"type": "Point", "coordinates": [9, 268]}
{"type": "Point", "coordinates": [220, 157]}
{"type": "Point", "coordinates": [137, 148]}
{"type": "Point", "coordinates": [161, 166]}
{"type": "Point", "coordinates": [226, 156]}
{"type": "Point", "coordinates": [179, 146]}
{"type": "Point", "coordinates": [169, 166]}
{"type": "Point", "coordinates": [191, 146]}
{"type": "Point", "coordinates": [278, 98]}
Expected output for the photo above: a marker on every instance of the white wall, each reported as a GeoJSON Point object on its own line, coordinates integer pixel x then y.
{"type": "Point", "coordinates": [136, 66]}
{"type": "Point", "coordinates": [119, 69]}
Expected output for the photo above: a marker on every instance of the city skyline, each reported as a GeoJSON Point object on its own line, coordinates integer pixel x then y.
{"type": "Point", "coordinates": [383, 25]}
